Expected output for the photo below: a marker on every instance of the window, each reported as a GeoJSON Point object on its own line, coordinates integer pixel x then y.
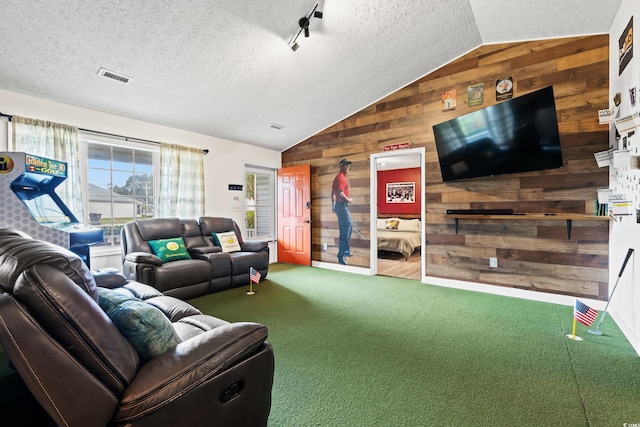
{"type": "Point", "coordinates": [259, 204]}
{"type": "Point", "coordinates": [121, 183]}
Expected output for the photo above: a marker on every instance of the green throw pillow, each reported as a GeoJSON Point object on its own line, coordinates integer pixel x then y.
{"type": "Point", "coordinates": [145, 326]}
{"type": "Point", "coordinates": [228, 241]}
{"type": "Point", "coordinates": [169, 249]}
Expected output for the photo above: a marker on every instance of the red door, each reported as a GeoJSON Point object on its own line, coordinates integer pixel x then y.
{"type": "Point", "coordinates": [294, 215]}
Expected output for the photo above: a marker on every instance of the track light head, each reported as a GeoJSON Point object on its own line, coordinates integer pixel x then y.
{"type": "Point", "coordinates": [303, 23]}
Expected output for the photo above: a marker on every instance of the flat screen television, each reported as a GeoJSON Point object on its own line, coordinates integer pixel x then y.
{"type": "Point", "coordinates": [518, 135]}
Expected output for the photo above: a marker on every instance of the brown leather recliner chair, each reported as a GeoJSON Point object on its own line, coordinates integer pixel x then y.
{"type": "Point", "coordinates": [84, 372]}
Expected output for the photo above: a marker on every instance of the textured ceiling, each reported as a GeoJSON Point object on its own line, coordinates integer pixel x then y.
{"type": "Point", "coordinates": [225, 69]}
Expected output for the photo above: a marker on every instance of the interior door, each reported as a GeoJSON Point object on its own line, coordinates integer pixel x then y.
{"type": "Point", "coordinates": [294, 215]}
{"type": "Point", "coordinates": [397, 159]}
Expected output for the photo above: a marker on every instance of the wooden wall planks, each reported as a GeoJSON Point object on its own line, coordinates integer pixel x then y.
{"type": "Point", "coordinates": [534, 255]}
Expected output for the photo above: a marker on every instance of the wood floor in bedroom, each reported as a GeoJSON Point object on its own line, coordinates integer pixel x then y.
{"type": "Point", "coordinates": [393, 264]}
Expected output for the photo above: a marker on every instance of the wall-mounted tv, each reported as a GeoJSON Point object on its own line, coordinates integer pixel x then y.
{"type": "Point", "coordinates": [518, 135]}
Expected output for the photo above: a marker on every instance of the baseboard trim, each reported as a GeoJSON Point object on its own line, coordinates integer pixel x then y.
{"type": "Point", "coordinates": [512, 292]}
{"type": "Point", "coordinates": [340, 267]}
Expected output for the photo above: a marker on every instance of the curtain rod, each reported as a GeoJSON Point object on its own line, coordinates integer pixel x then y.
{"type": "Point", "coordinates": [126, 138]}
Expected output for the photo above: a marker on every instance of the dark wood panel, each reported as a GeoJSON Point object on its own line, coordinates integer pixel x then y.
{"type": "Point", "coordinates": [578, 232]}
{"type": "Point", "coordinates": [445, 239]}
{"type": "Point", "coordinates": [559, 258]}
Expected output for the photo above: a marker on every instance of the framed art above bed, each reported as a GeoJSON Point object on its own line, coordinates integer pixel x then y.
{"type": "Point", "coordinates": [401, 192]}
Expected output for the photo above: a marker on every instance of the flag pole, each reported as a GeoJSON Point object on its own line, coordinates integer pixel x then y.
{"type": "Point", "coordinates": [624, 264]}
{"type": "Point", "coordinates": [250, 283]}
{"type": "Point", "coordinates": [572, 336]}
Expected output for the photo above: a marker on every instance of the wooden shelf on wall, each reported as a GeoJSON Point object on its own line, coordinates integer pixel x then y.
{"type": "Point", "coordinates": [568, 217]}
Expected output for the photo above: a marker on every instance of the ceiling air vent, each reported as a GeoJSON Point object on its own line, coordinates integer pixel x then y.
{"type": "Point", "coordinates": [113, 76]}
{"type": "Point", "coordinates": [276, 126]}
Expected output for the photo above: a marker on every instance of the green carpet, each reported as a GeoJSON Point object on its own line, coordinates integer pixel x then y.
{"type": "Point", "coordinates": [354, 350]}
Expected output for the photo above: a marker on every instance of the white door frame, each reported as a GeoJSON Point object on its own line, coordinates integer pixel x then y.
{"type": "Point", "coordinates": [374, 206]}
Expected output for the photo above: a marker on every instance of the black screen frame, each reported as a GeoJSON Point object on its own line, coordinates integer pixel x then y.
{"type": "Point", "coordinates": [514, 136]}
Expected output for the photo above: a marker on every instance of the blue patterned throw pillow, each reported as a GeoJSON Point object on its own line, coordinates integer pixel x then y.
{"type": "Point", "coordinates": [145, 326]}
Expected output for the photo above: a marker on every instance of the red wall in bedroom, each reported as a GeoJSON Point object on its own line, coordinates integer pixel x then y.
{"type": "Point", "coordinates": [399, 175]}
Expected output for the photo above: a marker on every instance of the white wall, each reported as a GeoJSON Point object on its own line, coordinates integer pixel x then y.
{"type": "Point", "coordinates": [224, 164]}
{"type": "Point", "coordinates": [625, 233]}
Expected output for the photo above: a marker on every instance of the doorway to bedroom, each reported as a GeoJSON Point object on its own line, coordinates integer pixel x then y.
{"type": "Point", "coordinates": [397, 213]}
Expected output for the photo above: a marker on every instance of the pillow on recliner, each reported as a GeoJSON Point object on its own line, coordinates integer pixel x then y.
{"type": "Point", "coordinates": [145, 326]}
{"type": "Point", "coordinates": [228, 241]}
{"type": "Point", "coordinates": [169, 249]}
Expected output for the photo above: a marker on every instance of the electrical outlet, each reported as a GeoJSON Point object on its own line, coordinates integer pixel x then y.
{"type": "Point", "coordinates": [324, 247]}
{"type": "Point", "coordinates": [493, 262]}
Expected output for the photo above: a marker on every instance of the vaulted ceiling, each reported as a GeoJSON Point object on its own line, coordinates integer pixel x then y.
{"type": "Point", "coordinates": [225, 68]}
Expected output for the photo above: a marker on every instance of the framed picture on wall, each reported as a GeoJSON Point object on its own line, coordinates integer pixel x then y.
{"type": "Point", "coordinates": [449, 100]}
{"type": "Point", "coordinates": [475, 94]}
{"type": "Point", "coordinates": [401, 192]}
{"type": "Point", "coordinates": [625, 47]}
{"type": "Point", "coordinates": [504, 89]}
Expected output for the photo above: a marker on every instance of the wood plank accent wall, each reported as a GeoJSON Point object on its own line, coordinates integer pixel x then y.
{"type": "Point", "coordinates": [534, 255]}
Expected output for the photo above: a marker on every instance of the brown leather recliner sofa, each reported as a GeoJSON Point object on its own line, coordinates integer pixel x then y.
{"type": "Point", "coordinates": [84, 372]}
{"type": "Point", "coordinates": [209, 269]}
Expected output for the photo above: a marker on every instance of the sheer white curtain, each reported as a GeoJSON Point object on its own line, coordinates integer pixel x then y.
{"type": "Point", "coordinates": [53, 141]}
{"type": "Point", "coordinates": [181, 182]}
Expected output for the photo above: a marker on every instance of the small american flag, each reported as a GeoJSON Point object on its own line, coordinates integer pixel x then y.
{"type": "Point", "coordinates": [584, 314]}
{"type": "Point", "coordinates": [255, 275]}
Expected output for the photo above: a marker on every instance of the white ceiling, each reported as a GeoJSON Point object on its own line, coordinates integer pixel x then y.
{"type": "Point", "coordinates": [398, 161]}
{"type": "Point", "coordinates": [224, 68]}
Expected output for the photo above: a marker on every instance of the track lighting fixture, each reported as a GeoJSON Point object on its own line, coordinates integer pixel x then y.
{"type": "Point", "coordinates": [303, 23]}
